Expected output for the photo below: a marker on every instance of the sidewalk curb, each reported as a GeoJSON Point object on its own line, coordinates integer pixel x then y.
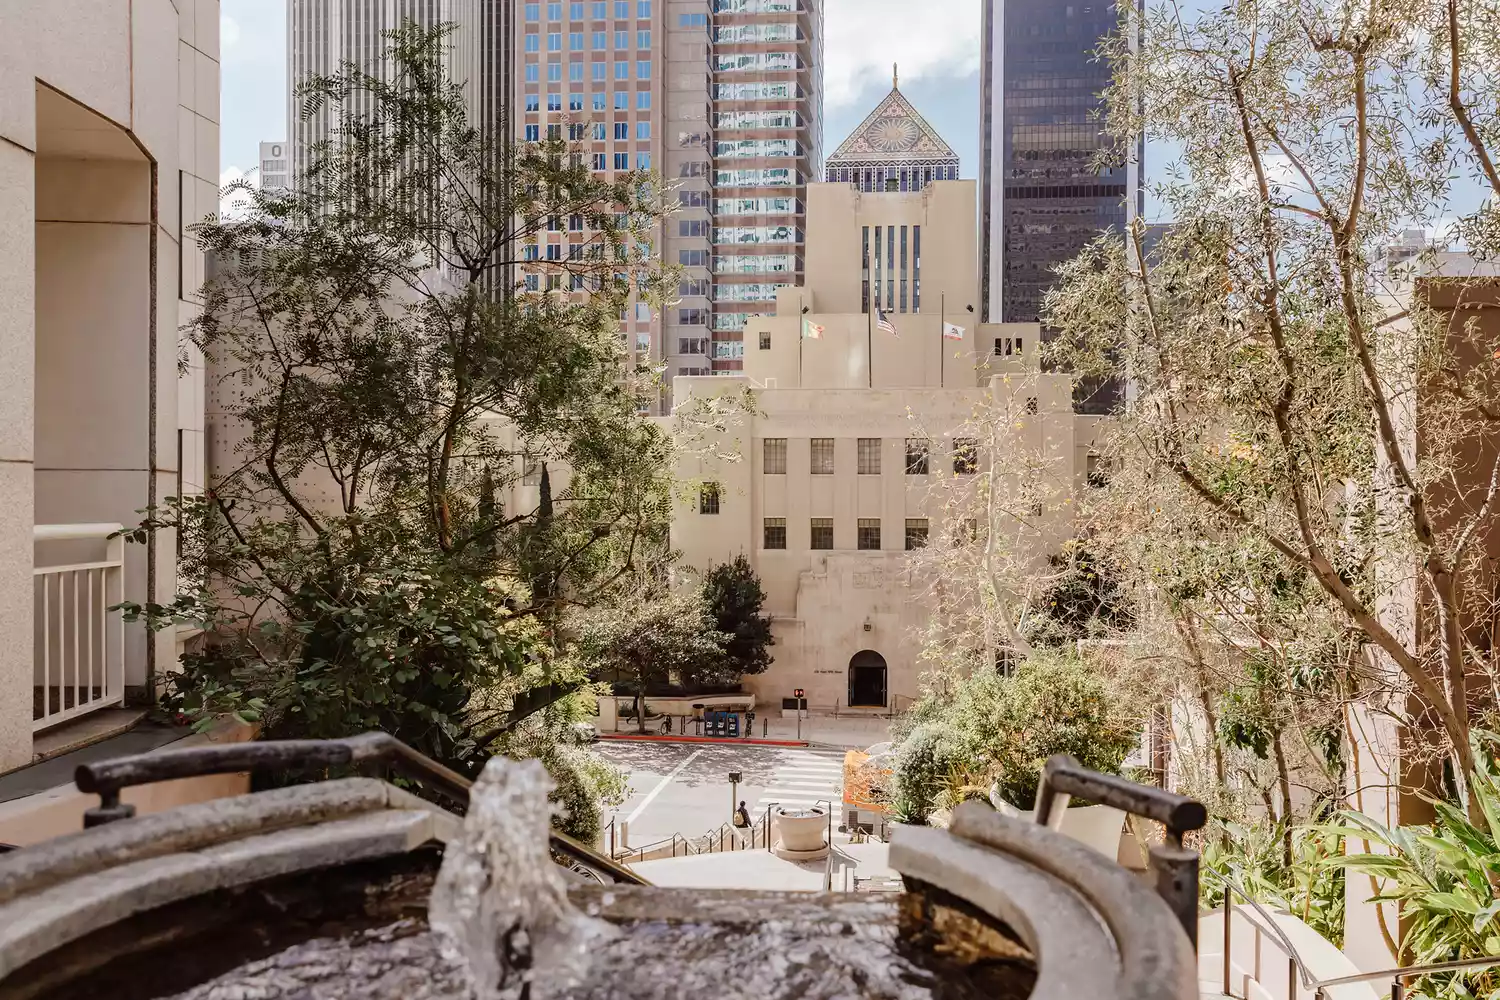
{"type": "Point", "coordinates": [721, 740]}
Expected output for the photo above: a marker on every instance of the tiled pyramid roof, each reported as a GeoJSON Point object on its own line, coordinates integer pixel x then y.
{"type": "Point", "coordinates": [893, 133]}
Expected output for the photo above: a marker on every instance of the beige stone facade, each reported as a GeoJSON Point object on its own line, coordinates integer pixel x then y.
{"type": "Point", "coordinates": [109, 142]}
{"type": "Point", "coordinates": [817, 481]}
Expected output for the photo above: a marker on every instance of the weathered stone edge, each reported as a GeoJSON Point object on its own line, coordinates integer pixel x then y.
{"type": "Point", "coordinates": [36, 924]}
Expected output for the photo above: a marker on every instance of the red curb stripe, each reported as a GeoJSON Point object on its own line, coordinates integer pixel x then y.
{"type": "Point", "coordinates": [649, 738]}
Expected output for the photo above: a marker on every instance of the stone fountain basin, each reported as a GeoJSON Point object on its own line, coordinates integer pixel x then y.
{"type": "Point", "coordinates": [157, 905]}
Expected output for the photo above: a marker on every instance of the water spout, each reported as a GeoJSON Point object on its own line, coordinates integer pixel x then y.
{"type": "Point", "coordinates": [500, 906]}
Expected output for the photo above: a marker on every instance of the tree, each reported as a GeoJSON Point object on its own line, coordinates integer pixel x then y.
{"type": "Point", "coordinates": [734, 597]}
{"type": "Point", "coordinates": [1277, 359]}
{"type": "Point", "coordinates": [368, 555]}
{"type": "Point", "coordinates": [647, 636]}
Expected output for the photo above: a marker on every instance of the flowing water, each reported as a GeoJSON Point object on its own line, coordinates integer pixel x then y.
{"type": "Point", "coordinates": [500, 906]}
{"type": "Point", "coordinates": [505, 923]}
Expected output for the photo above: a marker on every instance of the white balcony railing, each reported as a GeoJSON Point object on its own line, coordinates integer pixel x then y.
{"type": "Point", "coordinates": [79, 643]}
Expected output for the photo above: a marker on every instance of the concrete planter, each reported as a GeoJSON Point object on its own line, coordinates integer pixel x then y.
{"type": "Point", "coordinates": [800, 834]}
{"type": "Point", "coordinates": [1098, 827]}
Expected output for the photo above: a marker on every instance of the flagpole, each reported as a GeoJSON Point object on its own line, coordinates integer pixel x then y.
{"type": "Point", "coordinates": [942, 335]}
{"type": "Point", "coordinates": [870, 347]}
{"type": "Point", "coordinates": [801, 336]}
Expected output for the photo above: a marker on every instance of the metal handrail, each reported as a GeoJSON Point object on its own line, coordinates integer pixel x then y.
{"type": "Point", "coordinates": [1231, 886]}
{"type": "Point", "coordinates": [1320, 987]}
{"type": "Point", "coordinates": [106, 778]}
{"type": "Point", "coordinates": [1412, 971]}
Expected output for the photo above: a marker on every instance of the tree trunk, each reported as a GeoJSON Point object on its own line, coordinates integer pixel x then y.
{"type": "Point", "coordinates": [640, 709]}
{"type": "Point", "coordinates": [1284, 784]}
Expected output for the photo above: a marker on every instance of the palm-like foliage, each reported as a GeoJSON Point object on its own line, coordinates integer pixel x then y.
{"type": "Point", "coordinates": [1446, 880]}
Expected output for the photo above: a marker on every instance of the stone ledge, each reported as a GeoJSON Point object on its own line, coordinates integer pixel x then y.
{"type": "Point", "coordinates": [40, 922]}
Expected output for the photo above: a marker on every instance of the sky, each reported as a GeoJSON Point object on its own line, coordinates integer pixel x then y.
{"type": "Point", "coordinates": [938, 58]}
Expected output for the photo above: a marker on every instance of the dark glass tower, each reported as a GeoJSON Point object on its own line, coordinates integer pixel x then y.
{"type": "Point", "coordinates": [1042, 197]}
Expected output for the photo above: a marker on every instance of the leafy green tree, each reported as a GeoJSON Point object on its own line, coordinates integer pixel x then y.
{"type": "Point", "coordinates": [1275, 352]}
{"type": "Point", "coordinates": [367, 555]}
{"type": "Point", "coordinates": [1088, 601]}
{"type": "Point", "coordinates": [648, 636]}
{"type": "Point", "coordinates": [734, 597]}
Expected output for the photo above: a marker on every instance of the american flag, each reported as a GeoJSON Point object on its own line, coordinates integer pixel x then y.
{"type": "Point", "coordinates": [884, 325]}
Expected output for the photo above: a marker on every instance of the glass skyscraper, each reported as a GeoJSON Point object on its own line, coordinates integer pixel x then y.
{"type": "Point", "coordinates": [1042, 197]}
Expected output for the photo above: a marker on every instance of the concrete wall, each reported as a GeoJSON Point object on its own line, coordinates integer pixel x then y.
{"type": "Point", "coordinates": [104, 105]}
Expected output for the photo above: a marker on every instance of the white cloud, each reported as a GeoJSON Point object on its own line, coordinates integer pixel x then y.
{"type": "Point", "coordinates": [864, 37]}
{"type": "Point", "coordinates": [229, 33]}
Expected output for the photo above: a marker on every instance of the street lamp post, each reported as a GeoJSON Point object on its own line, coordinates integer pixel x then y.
{"type": "Point", "coordinates": [734, 793]}
{"type": "Point", "coordinates": [797, 694]}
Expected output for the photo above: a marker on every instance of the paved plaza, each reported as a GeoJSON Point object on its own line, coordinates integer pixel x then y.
{"type": "Point", "coordinates": [683, 788]}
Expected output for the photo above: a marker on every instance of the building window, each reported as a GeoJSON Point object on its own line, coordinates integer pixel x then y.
{"type": "Point", "coordinates": [554, 42]}
{"type": "Point", "coordinates": [916, 533]}
{"type": "Point", "coordinates": [775, 456]}
{"type": "Point", "coordinates": [643, 161]}
{"type": "Point", "coordinates": [643, 70]}
{"type": "Point", "coordinates": [916, 456]}
{"type": "Point", "coordinates": [822, 533]}
{"type": "Point", "coordinates": [869, 534]}
{"type": "Point", "coordinates": [643, 100]}
{"type": "Point", "coordinates": [775, 533]}
{"type": "Point", "coordinates": [1008, 347]}
{"type": "Point", "coordinates": [1031, 405]}
{"type": "Point", "coordinates": [965, 456]}
{"type": "Point", "coordinates": [643, 130]}
{"type": "Point", "coordinates": [622, 101]}
{"type": "Point", "coordinates": [622, 161]}
{"type": "Point", "coordinates": [968, 531]}
{"type": "Point", "coordinates": [1098, 472]}
{"type": "Point", "coordinates": [708, 498]}
{"type": "Point", "coordinates": [533, 133]}
{"type": "Point", "coordinates": [869, 456]}
{"type": "Point", "coordinates": [822, 456]}
{"type": "Point", "coordinates": [765, 342]}
{"type": "Point", "coordinates": [622, 130]}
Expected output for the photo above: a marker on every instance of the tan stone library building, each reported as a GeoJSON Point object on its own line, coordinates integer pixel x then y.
{"type": "Point", "coordinates": [877, 403]}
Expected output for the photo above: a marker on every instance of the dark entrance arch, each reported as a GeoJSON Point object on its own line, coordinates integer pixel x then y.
{"type": "Point", "coordinates": [867, 680]}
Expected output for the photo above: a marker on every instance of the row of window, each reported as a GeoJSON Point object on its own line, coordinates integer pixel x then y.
{"type": "Point", "coordinates": [599, 101]}
{"type": "Point", "coordinates": [577, 72]}
{"type": "Point", "coordinates": [599, 40]}
{"type": "Point", "coordinates": [597, 9]}
{"type": "Point", "coordinates": [867, 453]}
{"type": "Point", "coordinates": [867, 533]}
{"type": "Point", "coordinates": [578, 131]}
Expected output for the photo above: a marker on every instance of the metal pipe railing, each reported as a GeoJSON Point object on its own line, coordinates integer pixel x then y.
{"type": "Point", "coordinates": [1297, 970]}
{"type": "Point", "coordinates": [107, 778]}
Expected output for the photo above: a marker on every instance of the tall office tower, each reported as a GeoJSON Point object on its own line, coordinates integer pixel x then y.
{"type": "Point", "coordinates": [275, 166]}
{"type": "Point", "coordinates": [894, 149]}
{"type": "Point", "coordinates": [587, 71]}
{"type": "Point", "coordinates": [323, 35]}
{"type": "Point", "coordinates": [1041, 197]}
{"type": "Point", "coordinates": [766, 100]}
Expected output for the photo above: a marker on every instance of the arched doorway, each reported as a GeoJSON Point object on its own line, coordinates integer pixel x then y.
{"type": "Point", "coordinates": [867, 680]}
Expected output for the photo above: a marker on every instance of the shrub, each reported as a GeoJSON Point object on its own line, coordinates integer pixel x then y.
{"type": "Point", "coordinates": [988, 727]}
